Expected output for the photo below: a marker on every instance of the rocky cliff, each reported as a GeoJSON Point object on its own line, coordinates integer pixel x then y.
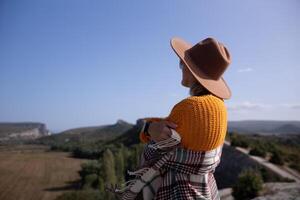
{"type": "Point", "coordinates": [23, 131]}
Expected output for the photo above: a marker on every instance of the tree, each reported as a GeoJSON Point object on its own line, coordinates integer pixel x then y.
{"type": "Point", "coordinates": [258, 150]}
{"type": "Point", "coordinates": [90, 167]}
{"type": "Point", "coordinates": [119, 160]}
{"type": "Point", "coordinates": [276, 158]}
{"type": "Point", "coordinates": [90, 181]}
{"type": "Point", "coordinates": [109, 171]}
{"type": "Point", "coordinates": [133, 158]}
{"type": "Point", "coordinates": [109, 167]}
{"type": "Point", "coordinates": [248, 185]}
{"type": "Point", "coordinates": [101, 185]}
{"type": "Point", "coordinates": [238, 141]}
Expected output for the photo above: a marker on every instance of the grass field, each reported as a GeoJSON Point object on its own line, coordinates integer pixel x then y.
{"type": "Point", "coordinates": [34, 173]}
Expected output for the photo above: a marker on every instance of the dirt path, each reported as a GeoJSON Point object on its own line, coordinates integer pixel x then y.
{"type": "Point", "coordinates": [35, 174]}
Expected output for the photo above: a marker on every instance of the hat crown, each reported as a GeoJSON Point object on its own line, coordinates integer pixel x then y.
{"type": "Point", "coordinates": [210, 56]}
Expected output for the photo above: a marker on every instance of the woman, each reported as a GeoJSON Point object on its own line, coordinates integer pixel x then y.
{"type": "Point", "coordinates": [202, 67]}
{"type": "Point", "coordinates": [186, 171]}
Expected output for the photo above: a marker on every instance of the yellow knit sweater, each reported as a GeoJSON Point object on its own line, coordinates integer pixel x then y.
{"type": "Point", "coordinates": [201, 120]}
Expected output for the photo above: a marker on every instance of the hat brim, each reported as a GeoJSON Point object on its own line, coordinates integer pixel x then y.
{"type": "Point", "coordinates": [217, 87]}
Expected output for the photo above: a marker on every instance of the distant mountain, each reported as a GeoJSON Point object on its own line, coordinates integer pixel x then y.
{"type": "Point", "coordinates": [125, 132]}
{"type": "Point", "coordinates": [88, 134]}
{"type": "Point", "coordinates": [265, 127]}
{"type": "Point", "coordinates": [287, 128]}
{"type": "Point", "coordinates": [22, 131]}
{"type": "Point", "coordinates": [130, 137]}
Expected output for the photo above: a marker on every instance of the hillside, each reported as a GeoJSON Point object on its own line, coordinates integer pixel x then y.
{"type": "Point", "coordinates": [28, 131]}
{"type": "Point", "coordinates": [122, 140]}
{"type": "Point", "coordinates": [129, 138]}
{"type": "Point", "coordinates": [88, 134]}
{"type": "Point", "coordinates": [284, 130]}
{"type": "Point", "coordinates": [265, 127]}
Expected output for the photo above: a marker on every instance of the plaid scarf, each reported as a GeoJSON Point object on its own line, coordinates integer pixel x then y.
{"type": "Point", "coordinates": [168, 171]}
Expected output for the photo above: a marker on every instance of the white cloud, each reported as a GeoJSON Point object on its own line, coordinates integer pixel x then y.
{"type": "Point", "coordinates": [247, 106]}
{"type": "Point", "coordinates": [253, 110]}
{"type": "Point", "coordinates": [248, 69]}
{"type": "Point", "coordinates": [291, 106]}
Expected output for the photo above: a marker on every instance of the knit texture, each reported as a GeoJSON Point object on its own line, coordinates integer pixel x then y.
{"type": "Point", "coordinates": [201, 120]}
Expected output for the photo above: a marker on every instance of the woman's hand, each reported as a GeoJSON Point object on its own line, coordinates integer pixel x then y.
{"type": "Point", "coordinates": [161, 130]}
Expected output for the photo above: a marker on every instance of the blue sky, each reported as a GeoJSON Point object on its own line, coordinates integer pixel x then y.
{"type": "Point", "coordinates": [71, 63]}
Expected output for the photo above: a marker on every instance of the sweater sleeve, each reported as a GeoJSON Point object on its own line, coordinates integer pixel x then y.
{"type": "Point", "coordinates": [174, 116]}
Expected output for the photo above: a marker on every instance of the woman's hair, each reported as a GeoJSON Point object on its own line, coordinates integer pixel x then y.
{"type": "Point", "coordinates": [197, 89]}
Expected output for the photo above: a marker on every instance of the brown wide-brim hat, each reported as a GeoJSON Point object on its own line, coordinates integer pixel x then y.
{"type": "Point", "coordinates": [207, 60]}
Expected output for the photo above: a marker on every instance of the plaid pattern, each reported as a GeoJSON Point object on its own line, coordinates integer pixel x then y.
{"type": "Point", "coordinates": [174, 173]}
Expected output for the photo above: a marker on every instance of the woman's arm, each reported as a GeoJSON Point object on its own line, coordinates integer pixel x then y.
{"type": "Point", "coordinates": [143, 137]}
{"type": "Point", "coordinates": [159, 129]}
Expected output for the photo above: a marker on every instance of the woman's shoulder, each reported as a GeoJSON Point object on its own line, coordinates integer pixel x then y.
{"type": "Point", "coordinates": [194, 104]}
{"type": "Point", "coordinates": [204, 99]}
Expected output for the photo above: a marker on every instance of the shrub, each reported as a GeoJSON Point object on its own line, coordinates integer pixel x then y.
{"type": "Point", "coordinates": [276, 158]}
{"type": "Point", "coordinates": [81, 195]}
{"type": "Point", "coordinates": [295, 166]}
{"type": "Point", "coordinates": [258, 151]}
{"type": "Point", "coordinates": [84, 152]}
{"type": "Point", "coordinates": [90, 181]}
{"type": "Point", "coordinates": [239, 142]}
{"type": "Point", "coordinates": [90, 167]}
{"type": "Point", "coordinates": [248, 185]}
